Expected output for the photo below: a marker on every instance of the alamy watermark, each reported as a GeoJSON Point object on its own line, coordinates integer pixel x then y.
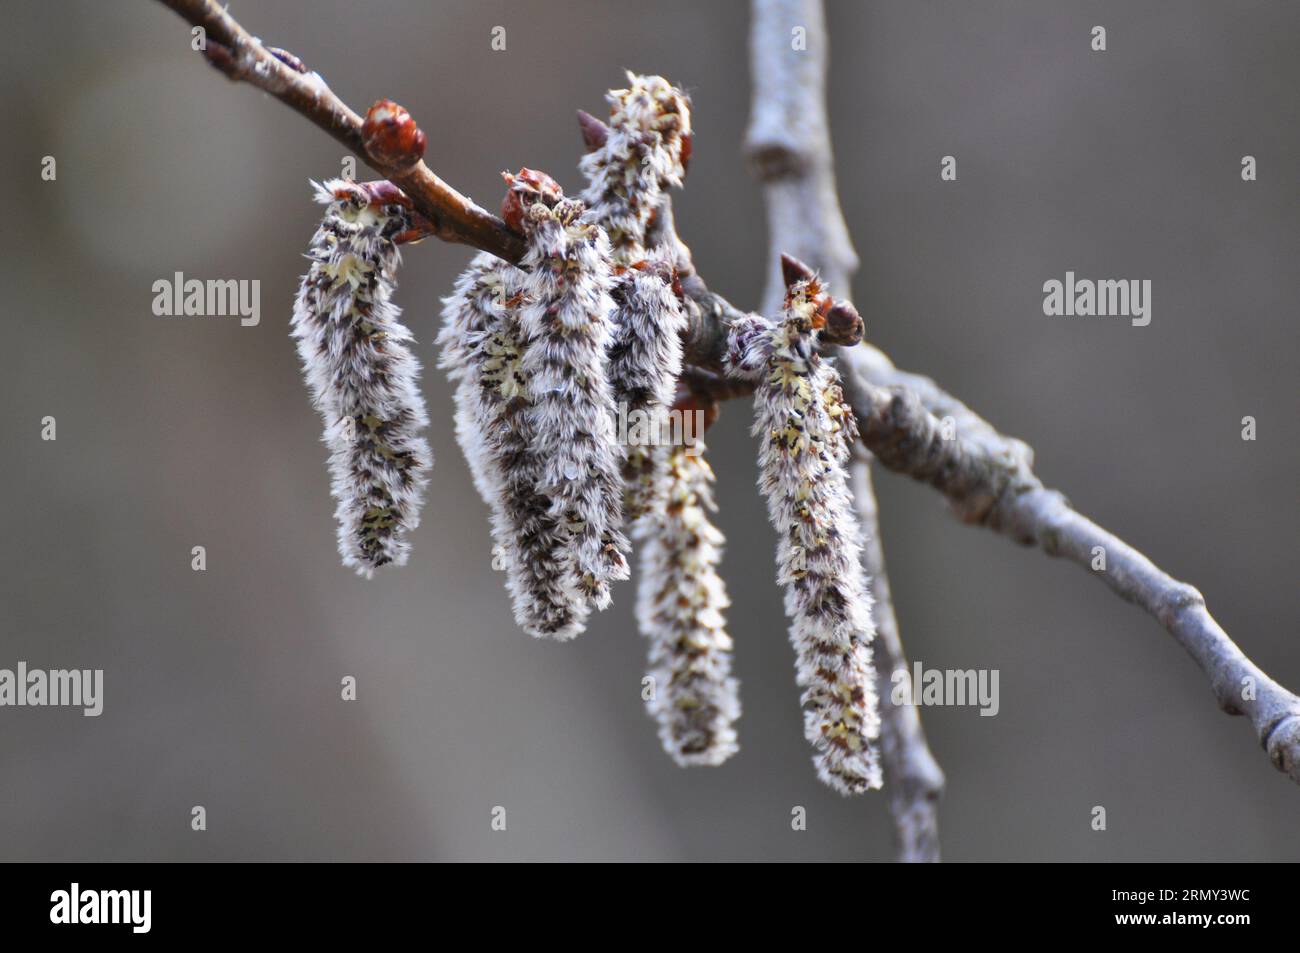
{"type": "Point", "coordinates": [1108, 297]}
{"type": "Point", "coordinates": [947, 686]}
{"type": "Point", "coordinates": [75, 905]}
{"type": "Point", "coordinates": [179, 296]}
{"type": "Point", "coordinates": [55, 688]}
{"type": "Point", "coordinates": [655, 428]}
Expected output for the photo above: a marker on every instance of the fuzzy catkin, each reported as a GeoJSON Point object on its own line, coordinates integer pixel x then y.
{"type": "Point", "coordinates": [680, 603]}
{"type": "Point", "coordinates": [565, 320]}
{"type": "Point", "coordinates": [362, 375]}
{"type": "Point", "coordinates": [645, 360]}
{"type": "Point", "coordinates": [800, 420]}
{"type": "Point", "coordinates": [646, 151]}
{"type": "Point", "coordinates": [482, 352]}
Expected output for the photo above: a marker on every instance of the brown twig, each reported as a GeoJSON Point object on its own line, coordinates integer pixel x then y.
{"type": "Point", "coordinates": [450, 216]}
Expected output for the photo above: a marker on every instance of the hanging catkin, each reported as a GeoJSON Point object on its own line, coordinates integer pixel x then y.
{"type": "Point", "coordinates": [362, 375]}
{"type": "Point", "coordinates": [804, 428]}
{"type": "Point", "coordinates": [680, 601]}
{"type": "Point", "coordinates": [482, 353]}
{"type": "Point", "coordinates": [642, 153]}
{"type": "Point", "coordinates": [564, 319]}
{"type": "Point", "coordinates": [646, 150]}
{"type": "Point", "coordinates": [667, 485]}
{"type": "Point", "coordinates": [645, 360]}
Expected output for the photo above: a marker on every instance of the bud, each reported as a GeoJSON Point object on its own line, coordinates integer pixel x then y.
{"type": "Point", "coordinates": [392, 139]}
{"type": "Point", "coordinates": [527, 188]}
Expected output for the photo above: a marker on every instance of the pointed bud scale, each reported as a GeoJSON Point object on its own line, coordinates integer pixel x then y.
{"type": "Point", "coordinates": [793, 270]}
{"type": "Point", "coordinates": [594, 132]}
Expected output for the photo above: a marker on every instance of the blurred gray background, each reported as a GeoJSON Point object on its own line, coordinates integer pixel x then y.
{"type": "Point", "coordinates": [222, 688]}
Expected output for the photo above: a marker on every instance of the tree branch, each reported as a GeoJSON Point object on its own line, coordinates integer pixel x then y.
{"type": "Point", "coordinates": [450, 216]}
{"type": "Point", "coordinates": [990, 482]}
{"type": "Point", "coordinates": [788, 144]}
{"type": "Point", "coordinates": [987, 477]}
{"type": "Point", "coordinates": [230, 48]}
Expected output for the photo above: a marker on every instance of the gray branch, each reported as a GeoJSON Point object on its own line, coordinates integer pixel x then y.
{"type": "Point", "coordinates": [989, 481]}
{"type": "Point", "coordinates": [788, 144]}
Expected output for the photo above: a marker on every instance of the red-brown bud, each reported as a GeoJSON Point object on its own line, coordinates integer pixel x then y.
{"type": "Point", "coordinates": [843, 324]}
{"type": "Point", "coordinates": [526, 187]}
{"type": "Point", "coordinates": [392, 138]}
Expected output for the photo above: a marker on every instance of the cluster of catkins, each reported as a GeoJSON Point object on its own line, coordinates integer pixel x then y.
{"type": "Point", "coordinates": [545, 356]}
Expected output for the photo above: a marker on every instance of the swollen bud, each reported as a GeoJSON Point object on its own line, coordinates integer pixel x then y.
{"type": "Point", "coordinates": [392, 139]}
{"type": "Point", "coordinates": [843, 324]}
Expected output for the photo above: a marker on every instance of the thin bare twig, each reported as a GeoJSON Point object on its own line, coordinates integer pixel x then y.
{"type": "Point", "coordinates": [913, 779]}
{"type": "Point", "coordinates": [242, 57]}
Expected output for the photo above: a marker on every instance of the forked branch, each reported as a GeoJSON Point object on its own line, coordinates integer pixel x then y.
{"type": "Point", "coordinates": [987, 477]}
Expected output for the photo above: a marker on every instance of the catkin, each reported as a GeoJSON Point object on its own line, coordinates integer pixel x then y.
{"type": "Point", "coordinates": [680, 603]}
{"type": "Point", "coordinates": [646, 151]}
{"type": "Point", "coordinates": [805, 429]}
{"type": "Point", "coordinates": [645, 360]}
{"type": "Point", "coordinates": [667, 487]}
{"type": "Point", "coordinates": [482, 353]}
{"type": "Point", "coordinates": [565, 319]}
{"type": "Point", "coordinates": [362, 375]}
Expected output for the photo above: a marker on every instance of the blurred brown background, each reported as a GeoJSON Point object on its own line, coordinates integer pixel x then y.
{"type": "Point", "coordinates": [222, 688]}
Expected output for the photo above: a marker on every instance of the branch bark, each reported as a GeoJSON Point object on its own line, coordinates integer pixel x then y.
{"type": "Point", "coordinates": [989, 481]}
{"type": "Point", "coordinates": [788, 144]}
{"type": "Point", "coordinates": [450, 216]}
{"type": "Point", "coordinates": [242, 57]}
